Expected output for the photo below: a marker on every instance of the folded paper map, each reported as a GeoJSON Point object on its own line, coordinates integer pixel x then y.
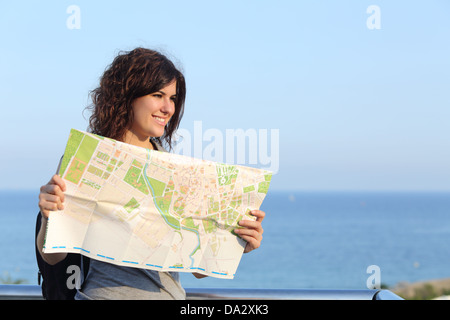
{"type": "Point", "coordinates": [149, 209]}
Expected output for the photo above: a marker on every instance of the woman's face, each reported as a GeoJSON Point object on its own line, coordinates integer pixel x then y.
{"type": "Point", "coordinates": [151, 113]}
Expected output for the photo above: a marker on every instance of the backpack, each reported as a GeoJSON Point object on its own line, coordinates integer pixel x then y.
{"type": "Point", "coordinates": [58, 280]}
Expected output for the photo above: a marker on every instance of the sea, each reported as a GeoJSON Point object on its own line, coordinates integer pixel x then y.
{"type": "Point", "coordinates": [318, 240]}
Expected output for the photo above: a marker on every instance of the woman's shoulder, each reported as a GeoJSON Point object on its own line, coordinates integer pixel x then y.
{"type": "Point", "coordinates": [158, 146]}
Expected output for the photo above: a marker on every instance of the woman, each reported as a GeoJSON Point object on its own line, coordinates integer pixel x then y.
{"type": "Point", "coordinates": [140, 101]}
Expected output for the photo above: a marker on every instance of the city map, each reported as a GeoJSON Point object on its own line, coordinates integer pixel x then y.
{"type": "Point", "coordinates": [155, 210]}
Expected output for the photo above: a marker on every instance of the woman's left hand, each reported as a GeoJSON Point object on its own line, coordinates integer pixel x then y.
{"type": "Point", "coordinates": [252, 231]}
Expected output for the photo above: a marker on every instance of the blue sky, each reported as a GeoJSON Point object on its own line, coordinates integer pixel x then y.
{"type": "Point", "coordinates": [355, 108]}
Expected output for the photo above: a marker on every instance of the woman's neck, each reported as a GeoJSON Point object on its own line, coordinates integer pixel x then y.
{"type": "Point", "coordinates": [136, 140]}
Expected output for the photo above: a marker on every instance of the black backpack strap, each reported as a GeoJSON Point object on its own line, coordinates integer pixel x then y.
{"type": "Point", "coordinates": [54, 285]}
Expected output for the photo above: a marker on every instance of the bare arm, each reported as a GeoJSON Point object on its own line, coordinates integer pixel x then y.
{"type": "Point", "coordinates": [50, 258]}
{"type": "Point", "coordinates": [51, 198]}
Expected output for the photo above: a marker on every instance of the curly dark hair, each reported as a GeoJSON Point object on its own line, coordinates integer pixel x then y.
{"type": "Point", "coordinates": [131, 75]}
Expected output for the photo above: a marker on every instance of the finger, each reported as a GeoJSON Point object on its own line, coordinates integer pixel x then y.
{"type": "Point", "coordinates": [249, 234]}
{"type": "Point", "coordinates": [56, 199]}
{"type": "Point", "coordinates": [55, 186]}
{"type": "Point", "coordinates": [50, 202]}
{"type": "Point", "coordinates": [56, 179]}
{"type": "Point", "coordinates": [46, 207]}
{"type": "Point", "coordinates": [53, 191]}
{"type": "Point", "coordinates": [250, 224]}
{"type": "Point", "coordinates": [252, 244]}
{"type": "Point", "coordinates": [258, 214]}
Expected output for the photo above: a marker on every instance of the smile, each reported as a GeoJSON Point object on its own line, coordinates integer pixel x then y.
{"type": "Point", "coordinates": [161, 121]}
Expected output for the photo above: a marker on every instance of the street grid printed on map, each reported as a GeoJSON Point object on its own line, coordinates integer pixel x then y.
{"type": "Point", "coordinates": [142, 208]}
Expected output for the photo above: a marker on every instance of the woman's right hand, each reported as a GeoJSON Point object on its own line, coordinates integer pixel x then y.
{"type": "Point", "coordinates": [51, 196]}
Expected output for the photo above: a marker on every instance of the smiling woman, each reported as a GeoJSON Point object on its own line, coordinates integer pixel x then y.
{"type": "Point", "coordinates": [151, 113]}
{"type": "Point", "coordinates": [134, 79]}
{"type": "Point", "coordinates": [140, 101]}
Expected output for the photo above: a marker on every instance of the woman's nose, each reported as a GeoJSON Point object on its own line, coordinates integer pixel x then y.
{"type": "Point", "coordinates": [168, 106]}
